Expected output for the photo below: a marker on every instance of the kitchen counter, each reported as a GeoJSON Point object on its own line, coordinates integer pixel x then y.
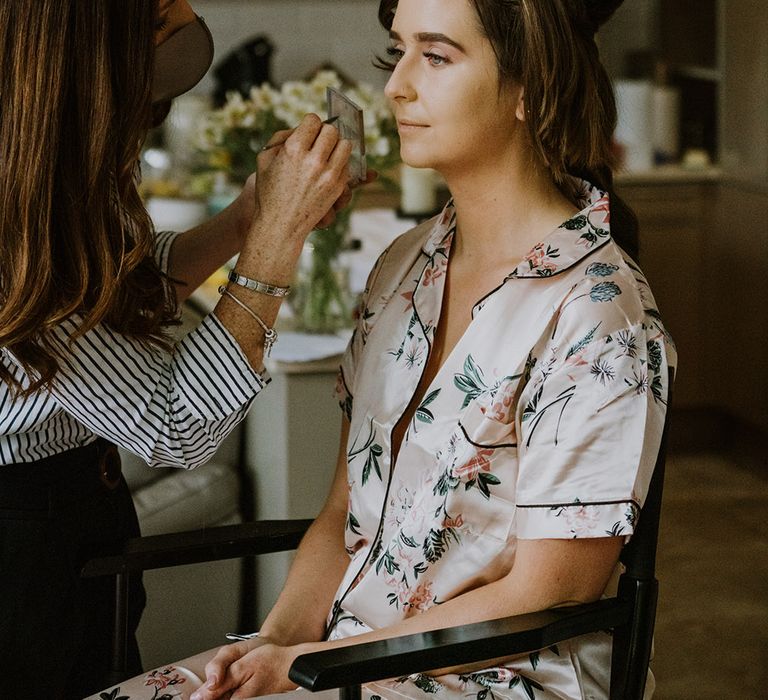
{"type": "Point", "coordinates": [672, 174]}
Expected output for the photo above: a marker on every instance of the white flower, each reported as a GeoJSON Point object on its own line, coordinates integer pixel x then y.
{"type": "Point", "coordinates": [210, 135]}
{"type": "Point", "coordinates": [380, 147]}
{"type": "Point", "coordinates": [262, 98]}
{"type": "Point", "coordinates": [326, 79]}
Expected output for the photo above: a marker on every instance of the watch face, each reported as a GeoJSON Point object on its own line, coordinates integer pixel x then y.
{"type": "Point", "coordinates": [350, 125]}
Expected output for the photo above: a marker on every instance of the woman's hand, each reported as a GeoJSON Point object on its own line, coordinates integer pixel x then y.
{"type": "Point", "coordinates": [248, 669]}
{"type": "Point", "coordinates": [343, 201]}
{"type": "Point", "coordinates": [246, 203]}
{"type": "Point", "coordinates": [300, 181]}
{"type": "Point", "coordinates": [246, 207]}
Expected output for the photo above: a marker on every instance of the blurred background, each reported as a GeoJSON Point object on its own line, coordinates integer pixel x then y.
{"type": "Point", "coordinates": [691, 79]}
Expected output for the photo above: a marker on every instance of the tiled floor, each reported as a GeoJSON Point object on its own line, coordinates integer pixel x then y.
{"type": "Point", "coordinates": [712, 622]}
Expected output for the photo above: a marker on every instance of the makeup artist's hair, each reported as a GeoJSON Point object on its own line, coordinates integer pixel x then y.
{"type": "Point", "coordinates": [548, 47]}
{"type": "Point", "coordinates": [75, 108]}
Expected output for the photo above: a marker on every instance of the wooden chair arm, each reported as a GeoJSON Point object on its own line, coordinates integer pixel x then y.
{"type": "Point", "coordinates": [195, 546]}
{"type": "Point", "coordinates": [480, 641]}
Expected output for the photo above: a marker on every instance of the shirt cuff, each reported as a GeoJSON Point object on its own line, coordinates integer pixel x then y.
{"type": "Point", "coordinates": [163, 244]}
{"type": "Point", "coordinates": [577, 520]}
{"type": "Point", "coordinates": [214, 373]}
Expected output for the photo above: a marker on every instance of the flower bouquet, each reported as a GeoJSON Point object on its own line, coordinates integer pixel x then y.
{"type": "Point", "coordinates": [232, 136]}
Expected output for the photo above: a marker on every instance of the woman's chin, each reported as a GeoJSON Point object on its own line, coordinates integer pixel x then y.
{"type": "Point", "coordinates": [416, 160]}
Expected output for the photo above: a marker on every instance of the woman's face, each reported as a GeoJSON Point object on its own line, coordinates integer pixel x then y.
{"type": "Point", "coordinates": [172, 16]}
{"type": "Point", "coordinates": [445, 87]}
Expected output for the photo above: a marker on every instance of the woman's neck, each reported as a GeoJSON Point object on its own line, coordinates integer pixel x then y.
{"type": "Point", "coordinates": [503, 209]}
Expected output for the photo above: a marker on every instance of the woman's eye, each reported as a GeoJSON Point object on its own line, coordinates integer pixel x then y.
{"type": "Point", "coordinates": [161, 25]}
{"type": "Point", "coordinates": [435, 59]}
{"type": "Point", "coordinates": [395, 53]}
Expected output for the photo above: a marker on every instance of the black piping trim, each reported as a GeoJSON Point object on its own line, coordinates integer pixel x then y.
{"type": "Point", "coordinates": [478, 444]}
{"type": "Point", "coordinates": [374, 542]}
{"type": "Point", "coordinates": [536, 277]}
{"type": "Point", "coordinates": [344, 382]}
{"type": "Point", "coordinates": [579, 503]}
{"type": "Point", "coordinates": [450, 227]}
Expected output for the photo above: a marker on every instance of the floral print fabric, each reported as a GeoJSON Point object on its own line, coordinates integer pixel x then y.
{"type": "Point", "coordinates": [166, 683]}
{"type": "Point", "coordinates": [543, 422]}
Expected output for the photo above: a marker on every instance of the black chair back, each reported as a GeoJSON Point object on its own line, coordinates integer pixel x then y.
{"type": "Point", "coordinates": [638, 587]}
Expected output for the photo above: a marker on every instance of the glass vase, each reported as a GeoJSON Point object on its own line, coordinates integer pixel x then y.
{"type": "Point", "coordinates": [321, 299]}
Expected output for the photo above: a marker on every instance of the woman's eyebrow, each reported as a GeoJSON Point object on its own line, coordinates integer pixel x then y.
{"type": "Point", "coordinates": [430, 37]}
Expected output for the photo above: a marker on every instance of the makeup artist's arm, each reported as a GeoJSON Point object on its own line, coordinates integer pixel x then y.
{"type": "Point", "coordinates": [196, 254]}
{"type": "Point", "coordinates": [295, 189]}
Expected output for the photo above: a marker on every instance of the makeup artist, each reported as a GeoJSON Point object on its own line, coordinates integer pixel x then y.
{"type": "Point", "coordinates": [88, 293]}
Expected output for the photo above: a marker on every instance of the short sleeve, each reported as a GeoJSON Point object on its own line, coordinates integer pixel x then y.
{"type": "Point", "coordinates": [589, 428]}
{"type": "Point", "coordinates": [364, 319]}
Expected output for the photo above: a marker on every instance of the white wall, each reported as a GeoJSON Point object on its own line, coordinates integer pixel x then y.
{"type": "Point", "coordinates": [306, 33]}
{"type": "Point", "coordinates": [347, 33]}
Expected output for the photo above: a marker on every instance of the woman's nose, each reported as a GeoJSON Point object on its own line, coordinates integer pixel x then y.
{"type": "Point", "coordinates": [400, 87]}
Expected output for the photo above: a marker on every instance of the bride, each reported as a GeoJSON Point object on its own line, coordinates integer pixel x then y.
{"type": "Point", "coordinates": [505, 389]}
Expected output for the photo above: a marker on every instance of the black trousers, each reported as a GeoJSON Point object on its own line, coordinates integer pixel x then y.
{"type": "Point", "coordinates": [55, 628]}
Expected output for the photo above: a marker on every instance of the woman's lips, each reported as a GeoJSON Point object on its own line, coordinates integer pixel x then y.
{"type": "Point", "coordinates": [405, 126]}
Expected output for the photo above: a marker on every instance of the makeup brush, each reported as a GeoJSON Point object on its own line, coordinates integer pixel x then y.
{"type": "Point", "coordinates": [280, 143]}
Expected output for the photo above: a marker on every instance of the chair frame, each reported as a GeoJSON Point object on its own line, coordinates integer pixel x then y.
{"type": "Point", "coordinates": [178, 549]}
{"type": "Point", "coordinates": [630, 614]}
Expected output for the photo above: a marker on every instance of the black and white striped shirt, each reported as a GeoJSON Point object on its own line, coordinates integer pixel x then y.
{"type": "Point", "coordinates": [170, 409]}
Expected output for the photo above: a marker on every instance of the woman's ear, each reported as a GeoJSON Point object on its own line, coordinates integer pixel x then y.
{"type": "Point", "coordinates": [520, 109]}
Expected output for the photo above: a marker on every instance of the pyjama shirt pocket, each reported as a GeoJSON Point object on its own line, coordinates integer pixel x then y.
{"type": "Point", "coordinates": [478, 474]}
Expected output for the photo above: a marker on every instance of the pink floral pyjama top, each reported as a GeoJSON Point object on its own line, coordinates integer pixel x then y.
{"type": "Point", "coordinates": [543, 422]}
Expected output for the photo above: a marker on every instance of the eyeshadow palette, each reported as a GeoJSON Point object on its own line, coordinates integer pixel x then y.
{"type": "Point", "coordinates": [350, 126]}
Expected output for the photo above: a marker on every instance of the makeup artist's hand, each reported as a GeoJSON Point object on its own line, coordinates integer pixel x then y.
{"type": "Point", "coordinates": [247, 204]}
{"type": "Point", "coordinates": [245, 207]}
{"type": "Point", "coordinates": [343, 201]}
{"type": "Point", "coordinates": [299, 182]}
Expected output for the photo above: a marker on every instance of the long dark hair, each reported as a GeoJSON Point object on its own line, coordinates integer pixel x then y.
{"type": "Point", "coordinates": [75, 108]}
{"type": "Point", "coordinates": [548, 48]}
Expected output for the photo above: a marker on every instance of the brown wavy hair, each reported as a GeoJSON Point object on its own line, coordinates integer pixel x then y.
{"type": "Point", "coordinates": [75, 238]}
{"type": "Point", "coordinates": [548, 47]}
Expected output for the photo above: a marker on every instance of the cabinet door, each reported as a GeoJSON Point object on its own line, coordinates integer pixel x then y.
{"type": "Point", "coordinates": [744, 107]}
{"type": "Point", "coordinates": [673, 220]}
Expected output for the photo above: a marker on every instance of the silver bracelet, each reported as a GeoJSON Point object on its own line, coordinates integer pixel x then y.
{"type": "Point", "coordinates": [270, 334]}
{"type": "Point", "coordinates": [233, 637]}
{"type": "Point", "coordinates": [256, 286]}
